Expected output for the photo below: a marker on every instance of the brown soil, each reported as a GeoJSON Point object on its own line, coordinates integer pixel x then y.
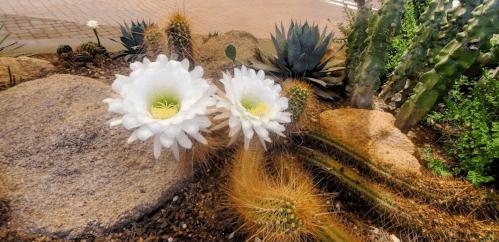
{"type": "Point", "coordinates": [197, 213]}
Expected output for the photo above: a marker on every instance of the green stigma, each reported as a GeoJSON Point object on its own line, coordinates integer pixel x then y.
{"type": "Point", "coordinates": [164, 106]}
{"type": "Point", "coordinates": [253, 103]}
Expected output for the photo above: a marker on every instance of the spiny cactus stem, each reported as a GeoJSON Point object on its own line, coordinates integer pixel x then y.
{"type": "Point", "coordinates": [368, 163]}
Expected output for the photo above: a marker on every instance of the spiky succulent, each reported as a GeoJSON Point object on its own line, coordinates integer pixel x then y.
{"type": "Point", "coordinates": [64, 49]}
{"type": "Point", "coordinates": [84, 56]}
{"type": "Point", "coordinates": [93, 48]}
{"type": "Point", "coordinates": [300, 54]}
{"type": "Point", "coordinates": [132, 39]}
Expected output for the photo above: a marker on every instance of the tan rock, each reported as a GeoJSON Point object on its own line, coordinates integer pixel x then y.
{"type": "Point", "coordinates": [26, 67]}
{"type": "Point", "coordinates": [65, 171]}
{"type": "Point", "coordinates": [372, 132]}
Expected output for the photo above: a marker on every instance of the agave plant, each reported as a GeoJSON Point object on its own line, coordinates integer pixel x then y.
{"type": "Point", "coordinates": [300, 54]}
{"type": "Point", "coordinates": [9, 45]}
{"type": "Point", "coordinates": [132, 39]}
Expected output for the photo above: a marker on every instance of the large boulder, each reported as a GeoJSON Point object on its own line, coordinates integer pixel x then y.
{"type": "Point", "coordinates": [65, 171]}
{"type": "Point", "coordinates": [373, 133]}
{"type": "Point", "coordinates": [25, 67]}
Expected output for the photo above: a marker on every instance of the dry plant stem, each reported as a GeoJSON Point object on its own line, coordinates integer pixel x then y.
{"type": "Point", "coordinates": [277, 209]}
{"type": "Point", "coordinates": [450, 193]}
{"type": "Point", "coordinates": [433, 223]}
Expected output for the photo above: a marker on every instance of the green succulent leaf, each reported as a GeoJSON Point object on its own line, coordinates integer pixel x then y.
{"type": "Point", "coordinates": [262, 66]}
{"type": "Point", "coordinates": [320, 82]}
{"type": "Point", "coordinates": [230, 52]}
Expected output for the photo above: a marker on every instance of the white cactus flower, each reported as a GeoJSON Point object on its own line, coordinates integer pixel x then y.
{"type": "Point", "coordinates": [252, 104]}
{"type": "Point", "coordinates": [164, 100]}
{"type": "Point", "coordinates": [92, 24]}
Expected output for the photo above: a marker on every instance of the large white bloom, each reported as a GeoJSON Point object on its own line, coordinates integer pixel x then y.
{"type": "Point", "coordinates": [252, 104]}
{"type": "Point", "coordinates": [163, 99]}
{"type": "Point", "coordinates": [92, 24]}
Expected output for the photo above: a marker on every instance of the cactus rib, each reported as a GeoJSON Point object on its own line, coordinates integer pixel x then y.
{"type": "Point", "coordinates": [453, 60]}
{"type": "Point", "coordinates": [414, 57]}
{"type": "Point", "coordinates": [384, 28]}
{"type": "Point", "coordinates": [418, 216]}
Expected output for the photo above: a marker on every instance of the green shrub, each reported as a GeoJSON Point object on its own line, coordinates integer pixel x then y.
{"type": "Point", "coordinates": [471, 114]}
{"type": "Point", "coordinates": [401, 42]}
{"type": "Point", "coordinates": [436, 165]}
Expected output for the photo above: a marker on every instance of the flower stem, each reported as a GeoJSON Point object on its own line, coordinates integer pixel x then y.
{"type": "Point", "coordinates": [98, 41]}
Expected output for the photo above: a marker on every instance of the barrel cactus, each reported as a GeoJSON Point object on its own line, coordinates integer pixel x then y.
{"type": "Point", "coordinates": [84, 56]}
{"type": "Point", "coordinates": [93, 48]}
{"type": "Point", "coordinates": [301, 54]}
{"type": "Point", "coordinates": [64, 49]}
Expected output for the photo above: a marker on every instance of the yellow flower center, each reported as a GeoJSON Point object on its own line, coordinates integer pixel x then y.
{"type": "Point", "coordinates": [260, 110]}
{"type": "Point", "coordinates": [253, 103]}
{"type": "Point", "coordinates": [164, 103]}
{"type": "Point", "coordinates": [163, 110]}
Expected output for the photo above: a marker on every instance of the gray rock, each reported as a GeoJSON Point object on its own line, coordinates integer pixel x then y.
{"type": "Point", "coordinates": [373, 133]}
{"type": "Point", "coordinates": [65, 171]}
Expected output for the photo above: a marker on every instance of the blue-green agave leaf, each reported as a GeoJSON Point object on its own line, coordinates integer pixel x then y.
{"type": "Point", "coordinates": [280, 55]}
{"type": "Point", "coordinates": [262, 66]}
{"type": "Point", "coordinates": [300, 64]}
{"type": "Point", "coordinates": [281, 43]}
{"type": "Point", "coordinates": [307, 41]}
{"type": "Point", "coordinates": [294, 48]}
{"type": "Point", "coordinates": [290, 30]}
{"type": "Point", "coordinates": [128, 43]}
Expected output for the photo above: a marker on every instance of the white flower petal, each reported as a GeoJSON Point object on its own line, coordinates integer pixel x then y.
{"type": "Point", "coordinates": [234, 130]}
{"type": "Point", "coordinates": [107, 100]}
{"type": "Point", "coordinates": [197, 72]}
{"type": "Point", "coordinates": [174, 148]}
{"type": "Point", "coordinates": [116, 106]}
{"type": "Point", "coordinates": [190, 126]}
{"type": "Point", "coordinates": [162, 59]}
{"type": "Point", "coordinates": [200, 138]}
{"type": "Point", "coordinates": [130, 122]}
{"type": "Point", "coordinates": [185, 64]}
{"type": "Point", "coordinates": [157, 146]}
{"type": "Point", "coordinates": [261, 131]}
{"type": "Point", "coordinates": [203, 121]}
{"type": "Point", "coordinates": [183, 140]}
{"type": "Point", "coordinates": [233, 121]}
{"type": "Point", "coordinates": [116, 122]}
{"type": "Point", "coordinates": [133, 137]}
{"type": "Point", "coordinates": [136, 66]}
{"type": "Point", "coordinates": [261, 74]}
{"type": "Point", "coordinates": [144, 132]}
{"type": "Point", "coordinates": [165, 140]}
{"type": "Point", "coordinates": [246, 143]}
{"type": "Point", "coordinates": [233, 138]}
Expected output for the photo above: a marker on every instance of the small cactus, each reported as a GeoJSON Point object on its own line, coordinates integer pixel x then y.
{"type": "Point", "coordinates": [283, 210]}
{"type": "Point", "coordinates": [297, 100]}
{"type": "Point", "coordinates": [84, 56]}
{"type": "Point", "coordinates": [93, 49]}
{"type": "Point", "coordinates": [64, 49]}
{"type": "Point", "coordinates": [179, 37]}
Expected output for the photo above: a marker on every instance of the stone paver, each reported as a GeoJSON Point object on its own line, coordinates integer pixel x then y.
{"type": "Point", "coordinates": [67, 18]}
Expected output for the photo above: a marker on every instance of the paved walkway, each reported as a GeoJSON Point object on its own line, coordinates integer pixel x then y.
{"type": "Point", "coordinates": [63, 19]}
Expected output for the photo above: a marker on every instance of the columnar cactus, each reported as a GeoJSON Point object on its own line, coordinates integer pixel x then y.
{"type": "Point", "coordinates": [384, 27]}
{"type": "Point", "coordinates": [414, 59]}
{"type": "Point", "coordinates": [357, 43]}
{"type": "Point", "coordinates": [179, 37]}
{"type": "Point", "coordinates": [452, 61]}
